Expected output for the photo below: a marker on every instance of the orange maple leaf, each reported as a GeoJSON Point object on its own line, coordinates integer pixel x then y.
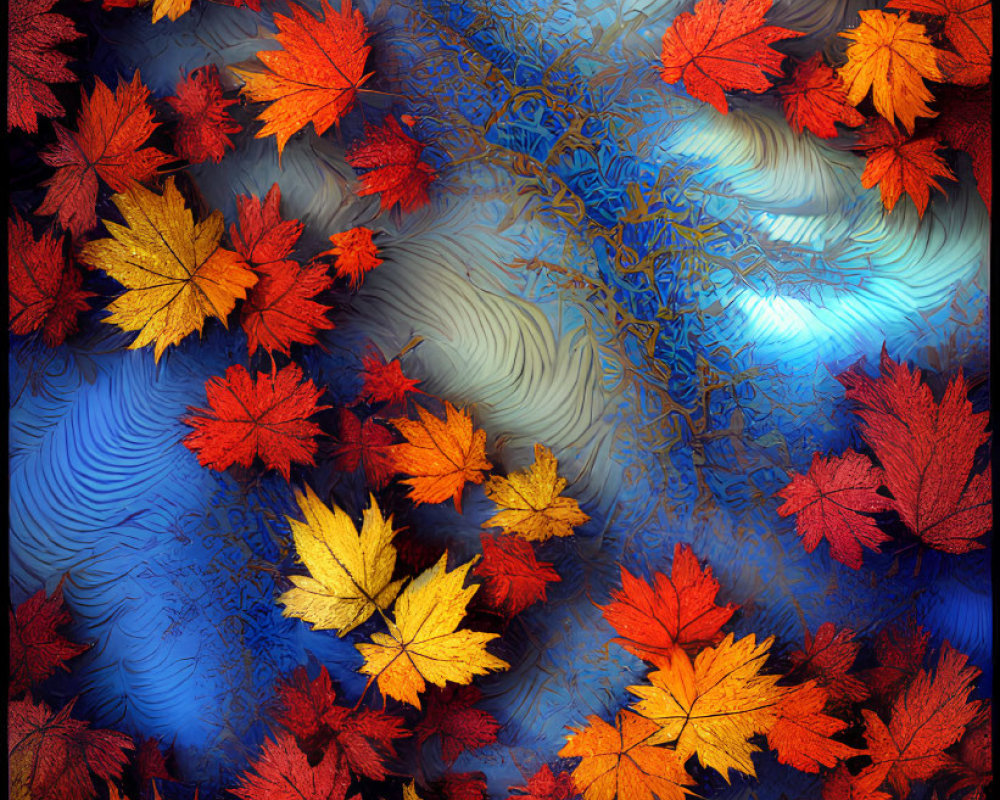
{"type": "Point", "coordinates": [815, 99]}
{"type": "Point", "coordinates": [618, 761]}
{"type": "Point", "coordinates": [891, 56]}
{"type": "Point", "coordinates": [801, 734]}
{"type": "Point", "coordinates": [968, 26]}
{"type": "Point", "coordinates": [355, 253]}
{"type": "Point", "coordinates": [898, 164]}
{"type": "Point", "coordinates": [441, 455]}
{"type": "Point", "coordinates": [315, 76]}
{"type": "Point", "coordinates": [722, 46]}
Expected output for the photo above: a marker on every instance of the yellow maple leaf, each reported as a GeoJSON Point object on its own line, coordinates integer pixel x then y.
{"type": "Point", "coordinates": [712, 707]}
{"type": "Point", "coordinates": [529, 503]}
{"type": "Point", "coordinates": [351, 571]}
{"type": "Point", "coordinates": [174, 271]}
{"type": "Point", "coordinates": [621, 762]}
{"type": "Point", "coordinates": [891, 56]}
{"type": "Point", "coordinates": [315, 76]}
{"type": "Point", "coordinates": [172, 9]}
{"type": "Point", "coordinates": [441, 455]}
{"type": "Point", "coordinates": [423, 643]}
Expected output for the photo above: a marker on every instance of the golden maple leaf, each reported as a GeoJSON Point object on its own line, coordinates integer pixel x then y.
{"type": "Point", "coordinates": [351, 572]}
{"type": "Point", "coordinates": [529, 503]}
{"type": "Point", "coordinates": [891, 56]}
{"type": "Point", "coordinates": [440, 455]}
{"type": "Point", "coordinates": [423, 643]}
{"type": "Point", "coordinates": [621, 761]}
{"type": "Point", "coordinates": [171, 9]}
{"type": "Point", "coordinates": [174, 271]}
{"type": "Point", "coordinates": [712, 707]}
{"type": "Point", "coordinates": [316, 74]}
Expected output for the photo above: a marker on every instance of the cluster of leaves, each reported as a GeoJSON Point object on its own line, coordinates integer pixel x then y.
{"type": "Point", "coordinates": [926, 458]}
{"type": "Point", "coordinates": [725, 46]}
{"type": "Point", "coordinates": [708, 697]}
{"type": "Point", "coordinates": [179, 274]}
{"type": "Point", "coordinates": [51, 754]}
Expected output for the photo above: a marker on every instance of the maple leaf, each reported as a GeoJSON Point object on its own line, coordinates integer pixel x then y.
{"type": "Point", "coordinates": [267, 417]}
{"type": "Point", "coordinates": [45, 289]}
{"type": "Point", "coordinates": [545, 785]}
{"type": "Point", "coordinates": [363, 737]}
{"type": "Point", "coordinates": [965, 124]}
{"type": "Point", "coordinates": [51, 755]}
{"type": "Point", "coordinates": [280, 311]}
{"type": "Point", "coordinates": [204, 127]}
{"type": "Point", "coordinates": [513, 578]}
{"type": "Point", "coordinates": [800, 734]}
{"type": "Point", "coordinates": [968, 25]}
{"type": "Point", "coordinates": [830, 501]}
{"type": "Point", "coordinates": [927, 450]}
{"type": "Point", "coordinates": [263, 237]}
{"type": "Point", "coordinates": [930, 716]}
{"type": "Point", "coordinates": [385, 383]}
{"type": "Point", "coordinates": [891, 56]}
{"type": "Point", "coordinates": [351, 571]}
{"type": "Point", "coordinates": [975, 757]}
{"type": "Point", "coordinates": [174, 272]}
{"type": "Point", "coordinates": [529, 503]}
{"type": "Point", "coordinates": [441, 455]}
{"type": "Point", "coordinates": [171, 9]}
{"type": "Point", "coordinates": [463, 786]}
{"type": "Point", "coordinates": [722, 46]}
{"type": "Point", "coordinates": [423, 643]}
{"type": "Point", "coordinates": [367, 443]}
{"type": "Point", "coordinates": [315, 75]}
{"type": "Point", "coordinates": [815, 99]}
{"type": "Point", "coordinates": [900, 651]}
{"type": "Point", "coordinates": [33, 61]}
{"type": "Point", "coordinates": [620, 761]}
{"type": "Point", "coordinates": [395, 170]}
{"type": "Point", "coordinates": [36, 649]}
{"type": "Point", "coordinates": [897, 164]}
{"type": "Point", "coordinates": [451, 714]}
{"type": "Point", "coordinates": [283, 772]}
{"type": "Point", "coordinates": [355, 254]}
{"type": "Point", "coordinates": [676, 612]}
{"type": "Point", "coordinates": [150, 762]}
{"type": "Point", "coordinates": [712, 707]}
{"type": "Point", "coordinates": [841, 785]}
{"type": "Point", "coordinates": [108, 145]}
{"type": "Point", "coordinates": [827, 658]}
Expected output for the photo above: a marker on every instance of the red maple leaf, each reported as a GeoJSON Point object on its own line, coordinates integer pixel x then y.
{"type": "Point", "coordinates": [965, 123]}
{"type": "Point", "coordinates": [842, 785]}
{"type": "Point", "coordinates": [815, 99]}
{"type": "Point", "coordinates": [827, 658]}
{"type": "Point", "coordinates": [830, 500]}
{"type": "Point", "coordinates": [463, 786]}
{"type": "Point", "coordinates": [279, 310]}
{"type": "Point", "coordinates": [36, 649]}
{"type": "Point", "coordinates": [512, 578]}
{"type": "Point", "coordinates": [150, 761]}
{"type": "Point", "coordinates": [722, 46]}
{"type": "Point", "coordinates": [33, 61]}
{"type": "Point", "coordinates": [44, 287]}
{"type": "Point", "coordinates": [927, 718]}
{"type": "Point", "coordinates": [267, 417]}
{"type": "Point", "coordinates": [395, 170]}
{"type": "Point", "coordinates": [898, 164]}
{"type": "Point", "coordinates": [801, 734]}
{"type": "Point", "coordinates": [385, 383]}
{"type": "Point", "coordinates": [927, 450]}
{"type": "Point", "coordinates": [679, 611]}
{"type": "Point", "coordinates": [263, 237]}
{"type": "Point", "coordinates": [968, 26]}
{"type": "Point", "coordinates": [355, 254]}
{"type": "Point", "coordinates": [544, 785]}
{"type": "Point", "coordinates": [363, 738]}
{"type": "Point", "coordinates": [108, 145]}
{"type": "Point", "coordinates": [975, 757]}
{"type": "Point", "coordinates": [900, 651]}
{"type": "Point", "coordinates": [283, 772]}
{"type": "Point", "coordinates": [204, 126]}
{"type": "Point", "coordinates": [367, 443]}
{"type": "Point", "coordinates": [451, 714]}
{"type": "Point", "coordinates": [51, 755]}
